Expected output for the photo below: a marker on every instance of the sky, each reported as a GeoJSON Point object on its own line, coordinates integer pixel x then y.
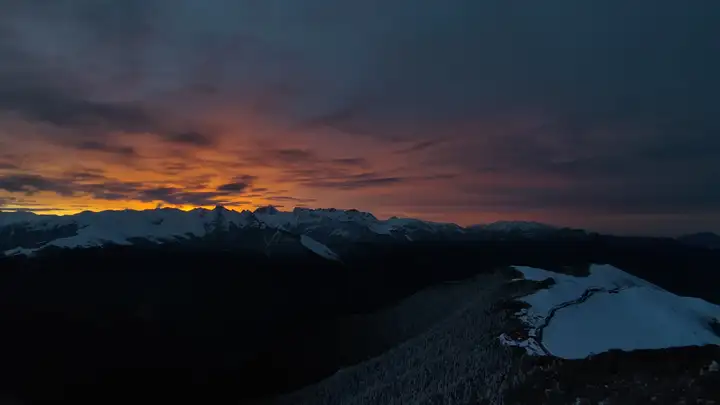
{"type": "Point", "coordinates": [593, 114]}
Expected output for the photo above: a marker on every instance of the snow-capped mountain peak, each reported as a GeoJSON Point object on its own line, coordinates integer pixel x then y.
{"type": "Point", "coordinates": [7, 218]}
{"type": "Point", "coordinates": [23, 232]}
{"type": "Point", "coordinates": [333, 213]}
{"type": "Point", "coordinates": [267, 210]}
{"type": "Point", "coordinates": [88, 228]}
{"type": "Point", "coordinates": [609, 309]}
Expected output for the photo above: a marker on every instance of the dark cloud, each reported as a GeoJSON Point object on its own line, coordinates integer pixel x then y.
{"type": "Point", "coordinates": [33, 209]}
{"type": "Point", "coordinates": [109, 189]}
{"type": "Point", "coordinates": [238, 185]}
{"type": "Point", "coordinates": [601, 105]}
{"type": "Point", "coordinates": [309, 169]}
{"type": "Point", "coordinates": [85, 174]}
{"type": "Point", "coordinates": [354, 183]}
{"type": "Point", "coordinates": [94, 183]}
{"type": "Point", "coordinates": [191, 138]}
{"type": "Point", "coordinates": [7, 166]}
{"type": "Point", "coordinates": [294, 158]}
{"type": "Point", "coordinates": [593, 199]}
{"type": "Point", "coordinates": [104, 147]}
{"type": "Point", "coordinates": [290, 199]}
{"type": "Point", "coordinates": [178, 196]}
{"type": "Point", "coordinates": [291, 155]}
{"type": "Point", "coordinates": [235, 203]}
{"type": "Point", "coordinates": [351, 161]}
{"type": "Point", "coordinates": [24, 203]}
{"type": "Point", "coordinates": [420, 146]}
{"type": "Point", "coordinates": [342, 179]}
{"type": "Point", "coordinates": [234, 187]}
{"type": "Point", "coordinates": [30, 184]}
{"type": "Point", "coordinates": [365, 180]}
{"type": "Point", "coordinates": [198, 182]}
{"type": "Point", "coordinates": [46, 96]}
{"type": "Point", "coordinates": [64, 110]}
{"type": "Point", "coordinates": [174, 168]}
{"type": "Point", "coordinates": [347, 118]}
{"type": "Point", "coordinates": [115, 190]}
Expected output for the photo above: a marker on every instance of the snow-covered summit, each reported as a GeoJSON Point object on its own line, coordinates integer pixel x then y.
{"type": "Point", "coordinates": [333, 213]}
{"type": "Point", "coordinates": [610, 309]}
{"type": "Point", "coordinates": [267, 210]}
{"type": "Point", "coordinates": [7, 218]}
{"type": "Point", "coordinates": [349, 223]}
{"type": "Point", "coordinates": [120, 227]}
{"type": "Point", "coordinates": [21, 231]}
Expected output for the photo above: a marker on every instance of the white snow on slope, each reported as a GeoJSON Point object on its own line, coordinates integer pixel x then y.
{"type": "Point", "coordinates": [311, 218]}
{"type": "Point", "coordinates": [318, 248]}
{"type": "Point", "coordinates": [635, 318]}
{"type": "Point", "coordinates": [639, 316]}
{"type": "Point", "coordinates": [9, 218]}
{"type": "Point", "coordinates": [275, 218]}
{"type": "Point", "coordinates": [118, 227]}
{"type": "Point", "coordinates": [163, 225]}
{"type": "Point", "coordinates": [410, 224]}
{"type": "Point", "coordinates": [19, 252]}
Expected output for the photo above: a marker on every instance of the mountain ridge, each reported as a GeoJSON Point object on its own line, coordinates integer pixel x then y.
{"type": "Point", "coordinates": [9, 217]}
{"type": "Point", "coordinates": [26, 233]}
{"type": "Point", "coordinates": [708, 240]}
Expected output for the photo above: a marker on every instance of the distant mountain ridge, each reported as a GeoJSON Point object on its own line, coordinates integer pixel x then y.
{"type": "Point", "coordinates": [707, 240]}
{"type": "Point", "coordinates": [318, 230]}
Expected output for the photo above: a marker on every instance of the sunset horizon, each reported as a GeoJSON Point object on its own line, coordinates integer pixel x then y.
{"type": "Point", "coordinates": [360, 202]}
{"type": "Point", "coordinates": [457, 112]}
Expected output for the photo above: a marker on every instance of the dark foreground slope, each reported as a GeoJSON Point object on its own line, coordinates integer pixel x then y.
{"type": "Point", "coordinates": [118, 323]}
{"type": "Point", "coordinates": [124, 324]}
{"type": "Point", "coordinates": [679, 375]}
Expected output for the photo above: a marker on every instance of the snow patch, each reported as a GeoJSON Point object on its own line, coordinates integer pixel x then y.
{"type": "Point", "coordinates": [9, 218]}
{"type": "Point", "coordinates": [610, 309]}
{"type": "Point", "coordinates": [340, 232]}
{"type": "Point", "coordinates": [381, 228]}
{"type": "Point", "coordinates": [119, 227]}
{"type": "Point", "coordinates": [318, 248]}
{"type": "Point", "coordinates": [19, 251]}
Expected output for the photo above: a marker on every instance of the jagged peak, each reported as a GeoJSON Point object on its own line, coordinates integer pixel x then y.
{"type": "Point", "coordinates": [269, 210]}
{"type": "Point", "coordinates": [353, 213]}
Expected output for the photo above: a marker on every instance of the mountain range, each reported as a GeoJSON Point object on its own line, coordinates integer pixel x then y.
{"type": "Point", "coordinates": [319, 230]}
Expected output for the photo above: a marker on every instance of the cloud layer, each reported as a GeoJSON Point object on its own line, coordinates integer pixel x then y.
{"type": "Point", "coordinates": [600, 114]}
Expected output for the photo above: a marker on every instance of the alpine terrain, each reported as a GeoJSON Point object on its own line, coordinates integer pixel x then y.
{"type": "Point", "coordinates": [329, 306]}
